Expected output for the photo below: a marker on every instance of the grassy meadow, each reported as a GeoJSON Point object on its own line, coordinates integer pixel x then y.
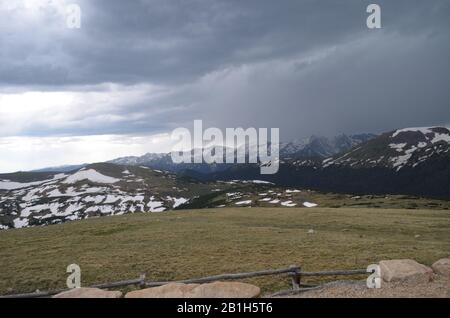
{"type": "Point", "coordinates": [196, 243]}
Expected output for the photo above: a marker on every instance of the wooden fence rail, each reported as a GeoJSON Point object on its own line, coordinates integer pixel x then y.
{"type": "Point", "coordinates": [227, 277]}
{"type": "Point", "coordinates": [293, 271]}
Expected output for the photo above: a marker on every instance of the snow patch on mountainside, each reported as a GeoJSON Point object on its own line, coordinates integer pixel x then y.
{"type": "Point", "coordinates": [177, 201]}
{"type": "Point", "coordinates": [288, 204]}
{"type": "Point", "coordinates": [441, 137]}
{"type": "Point", "coordinates": [423, 130]}
{"type": "Point", "coordinates": [155, 206]}
{"type": "Point", "coordinates": [244, 202]}
{"type": "Point", "coordinates": [398, 147]}
{"type": "Point", "coordinates": [91, 175]}
{"type": "Point", "coordinates": [20, 223]}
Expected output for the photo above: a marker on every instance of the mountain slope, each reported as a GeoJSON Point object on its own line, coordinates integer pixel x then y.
{"type": "Point", "coordinates": [398, 149]}
{"type": "Point", "coordinates": [408, 161]}
{"type": "Point", "coordinates": [322, 147]}
{"type": "Point", "coordinates": [32, 198]}
{"type": "Point", "coordinates": [99, 189]}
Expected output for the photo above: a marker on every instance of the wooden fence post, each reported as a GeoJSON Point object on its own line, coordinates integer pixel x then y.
{"type": "Point", "coordinates": [142, 282]}
{"type": "Point", "coordinates": [295, 277]}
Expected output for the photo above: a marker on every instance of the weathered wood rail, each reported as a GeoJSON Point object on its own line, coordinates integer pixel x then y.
{"type": "Point", "coordinates": [215, 278]}
{"type": "Point", "coordinates": [294, 272]}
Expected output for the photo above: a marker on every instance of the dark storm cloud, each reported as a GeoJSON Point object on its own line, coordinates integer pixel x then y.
{"type": "Point", "coordinates": [162, 41]}
{"type": "Point", "coordinates": [304, 66]}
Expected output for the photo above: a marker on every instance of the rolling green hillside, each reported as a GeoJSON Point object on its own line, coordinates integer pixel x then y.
{"type": "Point", "coordinates": [195, 243]}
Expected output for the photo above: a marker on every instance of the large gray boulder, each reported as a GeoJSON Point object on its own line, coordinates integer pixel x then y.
{"type": "Point", "coordinates": [405, 270]}
{"type": "Point", "coordinates": [211, 290]}
{"type": "Point", "coordinates": [88, 293]}
{"type": "Point", "coordinates": [442, 267]}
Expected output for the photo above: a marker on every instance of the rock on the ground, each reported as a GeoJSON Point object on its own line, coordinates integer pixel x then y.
{"type": "Point", "coordinates": [226, 290]}
{"type": "Point", "coordinates": [405, 270]}
{"type": "Point", "coordinates": [172, 290]}
{"type": "Point", "coordinates": [88, 293]}
{"type": "Point", "coordinates": [211, 290]}
{"type": "Point", "coordinates": [442, 267]}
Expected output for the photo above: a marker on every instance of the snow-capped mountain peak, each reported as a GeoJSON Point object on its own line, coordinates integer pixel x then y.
{"type": "Point", "coordinates": [407, 147]}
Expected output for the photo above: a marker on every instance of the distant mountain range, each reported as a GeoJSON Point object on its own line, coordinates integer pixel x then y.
{"type": "Point", "coordinates": [405, 161]}
{"type": "Point", "coordinates": [312, 147]}
{"type": "Point", "coordinates": [412, 161]}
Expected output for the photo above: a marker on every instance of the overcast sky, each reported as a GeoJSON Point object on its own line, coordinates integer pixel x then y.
{"type": "Point", "coordinates": [136, 70]}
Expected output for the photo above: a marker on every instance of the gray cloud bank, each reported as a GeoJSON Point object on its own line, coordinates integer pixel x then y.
{"type": "Point", "coordinates": [308, 67]}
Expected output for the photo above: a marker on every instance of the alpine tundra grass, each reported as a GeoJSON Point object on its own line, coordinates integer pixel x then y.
{"type": "Point", "coordinates": [195, 243]}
